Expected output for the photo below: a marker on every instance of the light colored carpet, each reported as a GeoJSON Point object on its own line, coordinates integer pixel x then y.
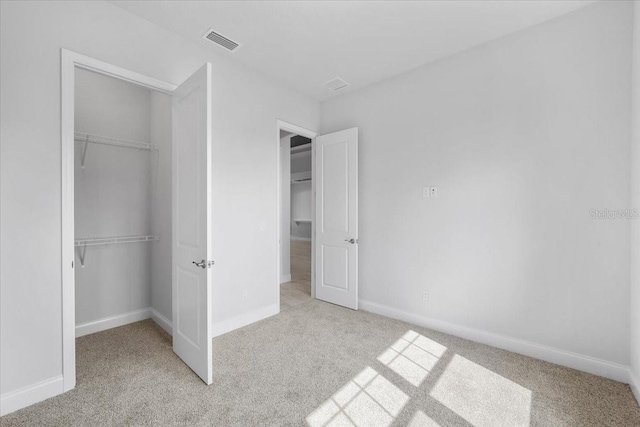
{"type": "Point", "coordinates": [319, 364]}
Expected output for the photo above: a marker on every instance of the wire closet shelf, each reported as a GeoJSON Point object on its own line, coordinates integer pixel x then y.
{"type": "Point", "coordinates": [109, 240]}
{"type": "Point", "coordinates": [83, 242]}
{"type": "Point", "coordinates": [87, 138]}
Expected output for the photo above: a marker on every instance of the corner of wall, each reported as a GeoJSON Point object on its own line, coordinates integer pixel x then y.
{"type": "Point", "coordinates": [634, 370]}
{"type": "Point", "coordinates": [634, 384]}
{"type": "Point", "coordinates": [162, 321]}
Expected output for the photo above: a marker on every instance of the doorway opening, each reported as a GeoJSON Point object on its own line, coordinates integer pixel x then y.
{"type": "Point", "coordinates": [332, 187]}
{"type": "Point", "coordinates": [296, 213]}
{"type": "Point", "coordinates": [122, 202]}
{"type": "Point", "coordinates": [295, 281]}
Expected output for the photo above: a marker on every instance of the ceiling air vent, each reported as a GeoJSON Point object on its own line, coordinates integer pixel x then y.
{"type": "Point", "coordinates": [336, 84]}
{"type": "Point", "coordinates": [220, 40]}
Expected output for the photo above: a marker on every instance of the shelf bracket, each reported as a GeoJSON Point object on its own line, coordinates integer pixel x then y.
{"type": "Point", "coordinates": [81, 255]}
{"type": "Point", "coordinates": [85, 143]}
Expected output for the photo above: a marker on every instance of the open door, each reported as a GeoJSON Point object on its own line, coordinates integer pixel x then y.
{"type": "Point", "coordinates": [336, 222]}
{"type": "Point", "coordinates": [191, 201]}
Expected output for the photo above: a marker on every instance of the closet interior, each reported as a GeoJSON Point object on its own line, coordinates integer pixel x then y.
{"type": "Point", "coordinates": [122, 196]}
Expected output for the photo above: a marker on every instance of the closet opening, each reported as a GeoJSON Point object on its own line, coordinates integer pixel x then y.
{"type": "Point", "coordinates": [122, 203]}
{"type": "Point", "coordinates": [136, 216]}
{"type": "Point", "coordinates": [296, 211]}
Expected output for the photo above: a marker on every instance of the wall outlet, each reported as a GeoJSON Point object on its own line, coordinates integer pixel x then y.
{"type": "Point", "coordinates": [262, 225]}
{"type": "Point", "coordinates": [433, 190]}
{"type": "Point", "coordinates": [425, 295]}
{"type": "Point", "coordinates": [245, 294]}
{"type": "Point", "coordinates": [426, 191]}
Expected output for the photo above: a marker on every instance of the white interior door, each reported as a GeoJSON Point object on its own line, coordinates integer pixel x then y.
{"type": "Point", "coordinates": [191, 264]}
{"type": "Point", "coordinates": [336, 223]}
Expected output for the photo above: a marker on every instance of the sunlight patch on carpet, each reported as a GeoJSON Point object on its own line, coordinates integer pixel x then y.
{"type": "Point", "coordinates": [368, 399]}
{"type": "Point", "coordinates": [412, 357]}
{"type": "Point", "coordinates": [481, 396]}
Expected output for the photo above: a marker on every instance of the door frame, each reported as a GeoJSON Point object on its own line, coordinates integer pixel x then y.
{"type": "Point", "coordinates": [69, 61]}
{"type": "Point", "coordinates": [297, 130]}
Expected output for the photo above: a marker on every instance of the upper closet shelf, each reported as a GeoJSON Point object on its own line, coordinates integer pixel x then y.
{"type": "Point", "coordinates": [301, 181]}
{"type": "Point", "coordinates": [83, 242]}
{"type": "Point", "coordinates": [90, 241]}
{"type": "Point", "coordinates": [299, 221]}
{"type": "Point", "coordinates": [86, 138]}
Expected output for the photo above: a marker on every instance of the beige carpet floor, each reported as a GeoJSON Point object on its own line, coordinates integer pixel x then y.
{"type": "Point", "coordinates": [319, 364]}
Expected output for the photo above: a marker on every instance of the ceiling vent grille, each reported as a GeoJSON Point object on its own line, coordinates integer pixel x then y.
{"type": "Point", "coordinates": [220, 40]}
{"type": "Point", "coordinates": [336, 84]}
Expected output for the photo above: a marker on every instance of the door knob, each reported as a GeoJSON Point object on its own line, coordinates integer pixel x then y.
{"type": "Point", "coordinates": [352, 241]}
{"type": "Point", "coordinates": [203, 263]}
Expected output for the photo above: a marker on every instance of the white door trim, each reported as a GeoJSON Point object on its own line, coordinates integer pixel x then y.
{"type": "Point", "coordinates": [289, 127]}
{"type": "Point", "coordinates": [69, 61]}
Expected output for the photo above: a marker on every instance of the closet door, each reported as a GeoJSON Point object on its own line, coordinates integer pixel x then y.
{"type": "Point", "coordinates": [191, 184]}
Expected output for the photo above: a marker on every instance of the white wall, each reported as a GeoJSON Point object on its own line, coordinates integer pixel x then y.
{"type": "Point", "coordinates": [285, 209]}
{"type": "Point", "coordinates": [112, 197]}
{"type": "Point", "coordinates": [635, 203]}
{"type": "Point", "coordinates": [245, 109]}
{"type": "Point", "coordinates": [523, 136]}
{"type": "Point", "coordinates": [160, 135]}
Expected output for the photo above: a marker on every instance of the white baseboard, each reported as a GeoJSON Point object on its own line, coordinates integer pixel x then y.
{"type": "Point", "coordinates": [244, 319]}
{"type": "Point", "coordinates": [285, 278]}
{"type": "Point", "coordinates": [112, 322]}
{"type": "Point", "coordinates": [162, 321]}
{"type": "Point", "coordinates": [304, 239]}
{"type": "Point", "coordinates": [635, 385]}
{"type": "Point", "coordinates": [34, 393]}
{"type": "Point", "coordinates": [569, 359]}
